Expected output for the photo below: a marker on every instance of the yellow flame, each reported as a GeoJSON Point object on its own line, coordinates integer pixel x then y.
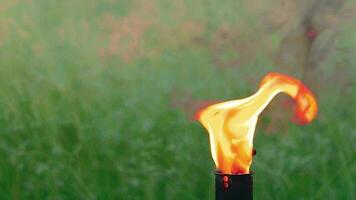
{"type": "Point", "coordinates": [231, 124]}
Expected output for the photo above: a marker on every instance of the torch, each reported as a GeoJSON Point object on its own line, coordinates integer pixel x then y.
{"type": "Point", "coordinates": [231, 127]}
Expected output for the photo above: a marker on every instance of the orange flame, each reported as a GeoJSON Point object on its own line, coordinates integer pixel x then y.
{"type": "Point", "coordinates": [231, 124]}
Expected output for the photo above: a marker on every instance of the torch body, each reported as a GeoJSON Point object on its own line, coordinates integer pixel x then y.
{"type": "Point", "coordinates": [233, 187]}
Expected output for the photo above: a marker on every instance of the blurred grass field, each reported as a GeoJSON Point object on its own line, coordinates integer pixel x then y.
{"type": "Point", "coordinates": [86, 92]}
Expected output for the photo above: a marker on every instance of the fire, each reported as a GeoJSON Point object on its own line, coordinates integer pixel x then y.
{"type": "Point", "coordinates": [231, 124]}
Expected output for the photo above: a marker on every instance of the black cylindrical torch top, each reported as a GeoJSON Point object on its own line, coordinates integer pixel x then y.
{"type": "Point", "coordinates": [233, 186]}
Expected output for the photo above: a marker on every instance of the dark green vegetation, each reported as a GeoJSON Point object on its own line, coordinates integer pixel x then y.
{"type": "Point", "coordinates": [91, 98]}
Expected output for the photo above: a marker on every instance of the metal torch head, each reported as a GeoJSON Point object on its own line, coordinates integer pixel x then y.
{"type": "Point", "coordinates": [233, 186]}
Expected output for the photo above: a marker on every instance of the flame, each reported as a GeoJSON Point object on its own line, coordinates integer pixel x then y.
{"type": "Point", "coordinates": [231, 124]}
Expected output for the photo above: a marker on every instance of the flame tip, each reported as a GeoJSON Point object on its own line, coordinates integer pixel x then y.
{"type": "Point", "coordinates": [197, 115]}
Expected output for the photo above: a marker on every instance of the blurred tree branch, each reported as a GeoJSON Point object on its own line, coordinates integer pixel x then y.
{"type": "Point", "coordinates": [309, 41]}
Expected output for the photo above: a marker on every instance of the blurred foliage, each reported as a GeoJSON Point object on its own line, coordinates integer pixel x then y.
{"type": "Point", "coordinates": [94, 96]}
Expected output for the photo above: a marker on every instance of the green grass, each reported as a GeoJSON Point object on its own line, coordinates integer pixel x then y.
{"type": "Point", "coordinates": [79, 124]}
